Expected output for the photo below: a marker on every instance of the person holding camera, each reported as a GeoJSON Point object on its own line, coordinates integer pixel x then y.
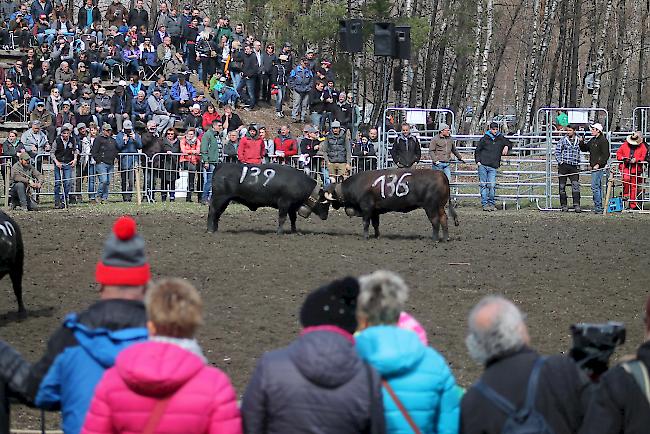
{"type": "Point", "coordinates": [621, 401]}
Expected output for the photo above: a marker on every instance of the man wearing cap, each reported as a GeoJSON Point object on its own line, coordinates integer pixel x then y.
{"type": "Point", "coordinates": [87, 343]}
{"type": "Point", "coordinates": [65, 115]}
{"type": "Point", "coordinates": [598, 148]}
{"type": "Point", "coordinates": [104, 151]}
{"type": "Point", "coordinates": [488, 158]}
{"type": "Point", "coordinates": [632, 154]}
{"type": "Point", "coordinates": [337, 152]}
{"type": "Point", "coordinates": [24, 177]}
{"type": "Point", "coordinates": [115, 13]}
{"type": "Point", "coordinates": [320, 369]}
{"type": "Point", "coordinates": [440, 150]}
{"type": "Point", "coordinates": [34, 139]}
{"type": "Point", "coordinates": [183, 94]}
{"type": "Point", "coordinates": [44, 117]}
{"type": "Point", "coordinates": [64, 156]}
{"type": "Point", "coordinates": [157, 107]}
{"type": "Point", "coordinates": [194, 119]}
{"type": "Point", "coordinates": [300, 82]}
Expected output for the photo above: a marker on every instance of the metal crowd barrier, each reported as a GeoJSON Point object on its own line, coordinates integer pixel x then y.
{"type": "Point", "coordinates": [5, 173]}
{"type": "Point", "coordinates": [173, 178]}
{"type": "Point", "coordinates": [642, 181]}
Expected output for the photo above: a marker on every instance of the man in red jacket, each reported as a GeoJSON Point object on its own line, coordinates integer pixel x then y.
{"type": "Point", "coordinates": [285, 145]}
{"type": "Point", "coordinates": [251, 147]}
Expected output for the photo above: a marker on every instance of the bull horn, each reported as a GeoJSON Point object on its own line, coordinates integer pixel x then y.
{"type": "Point", "coordinates": [329, 196]}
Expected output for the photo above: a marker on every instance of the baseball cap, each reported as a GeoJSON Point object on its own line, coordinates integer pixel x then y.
{"type": "Point", "coordinates": [81, 125]}
{"type": "Point", "coordinates": [311, 129]}
{"type": "Point", "coordinates": [107, 126]}
{"type": "Point", "coordinates": [444, 126]}
{"type": "Point", "coordinates": [128, 125]}
{"type": "Point", "coordinates": [336, 124]}
{"type": "Point", "coordinates": [121, 83]}
{"type": "Point", "coordinates": [66, 127]}
{"type": "Point", "coordinates": [67, 102]}
{"type": "Point", "coordinates": [24, 156]}
{"type": "Point", "coordinates": [196, 107]}
{"type": "Point", "coordinates": [597, 126]}
{"type": "Point", "coordinates": [40, 103]}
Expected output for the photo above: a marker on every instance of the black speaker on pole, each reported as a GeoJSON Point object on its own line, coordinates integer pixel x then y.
{"type": "Point", "coordinates": [403, 42]}
{"type": "Point", "coordinates": [351, 35]}
{"type": "Point", "coordinates": [385, 39]}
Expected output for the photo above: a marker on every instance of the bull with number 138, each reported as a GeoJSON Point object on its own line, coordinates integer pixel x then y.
{"type": "Point", "coordinates": [372, 193]}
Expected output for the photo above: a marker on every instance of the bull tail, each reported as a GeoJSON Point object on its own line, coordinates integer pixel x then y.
{"type": "Point", "coordinates": [452, 212]}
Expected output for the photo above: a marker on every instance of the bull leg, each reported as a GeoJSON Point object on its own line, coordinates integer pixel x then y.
{"type": "Point", "coordinates": [366, 225]}
{"type": "Point", "coordinates": [217, 206]}
{"type": "Point", "coordinates": [444, 223]}
{"type": "Point", "coordinates": [434, 218]}
{"type": "Point", "coordinates": [292, 218]}
{"type": "Point", "coordinates": [375, 224]}
{"type": "Point", "coordinates": [282, 217]}
{"type": "Point", "coordinates": [16, 275]}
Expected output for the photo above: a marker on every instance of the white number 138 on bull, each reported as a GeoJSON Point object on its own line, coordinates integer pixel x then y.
{"type": "Point", "coordinates": [394, 186]}
{"type": "Point", "coordinates": [254, 172]}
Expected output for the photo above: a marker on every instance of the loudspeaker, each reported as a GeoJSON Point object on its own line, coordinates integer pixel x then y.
{"type": "Point", "coordinates": [403, 42]}
{"type": "Point", "coordinates": [385, 39]}
{"type": "Point", "coordinates": [351, 36]}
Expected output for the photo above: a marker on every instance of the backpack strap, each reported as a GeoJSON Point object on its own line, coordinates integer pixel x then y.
{"type": "Point", "coordinates": [497, 399]}
{"type": "Point", "coordinates": [401, 407]}
{"type": "Point", "coordinates": [533, 381]}
{"type": "Point", "coordinates": [639, 372]}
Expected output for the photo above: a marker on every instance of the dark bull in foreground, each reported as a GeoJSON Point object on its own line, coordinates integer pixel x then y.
{"type": "Point", "coordinates": [284, 188]}
{"type": "Point", "coordinates": [12, 256]}
{"type": "Point", "coordinates": [372, 193]}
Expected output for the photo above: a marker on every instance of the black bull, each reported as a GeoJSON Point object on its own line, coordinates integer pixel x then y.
{"type": "Point", "coordinates": [12, 256]}
{"type": "Point", "coordinates": [372, 193]}
{"type": "Point", "coordinates": [265, 185]}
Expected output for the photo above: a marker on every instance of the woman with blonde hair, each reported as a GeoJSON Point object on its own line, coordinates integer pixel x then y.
{"type": "Point", "coordinates": [165, 384]}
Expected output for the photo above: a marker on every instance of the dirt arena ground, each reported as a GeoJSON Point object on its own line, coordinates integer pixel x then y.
{"type": "Point", "coordinates": [560, 268]}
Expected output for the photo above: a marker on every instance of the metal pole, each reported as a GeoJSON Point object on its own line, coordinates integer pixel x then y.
{"type": "Point", "coordinates": [137, 183]}
{"type": "Point", "coordinates": [610, 188]}
{"type": "Point", "coordinates": [7, 177]}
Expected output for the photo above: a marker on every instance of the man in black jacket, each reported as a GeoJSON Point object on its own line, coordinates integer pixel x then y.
{"type": "Point", "coordinates": [87, 343]}
{"type": "Point", "coordinates": [406, 150]}
{"type": "Point", "coordinates": [619, 404]}
{"type": "Point", "coordinates": [598, 148]}
{"type": "Point", "coordinates": [250, 72]}
{"type": "Point", "coordinates": [318, 383]}
{"type": "Point", "coordinates": [498, 339]}
{"type": "Point", "coordinates": [488, 158]}
{"type": "Point", "coordinates": [104, 151]}
{"type": "Point", "coordinates": [138, 16]}
{"type": "Point", "coordinates": [64, 155]}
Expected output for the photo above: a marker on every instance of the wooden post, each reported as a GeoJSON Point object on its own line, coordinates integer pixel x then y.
{"type": "Point", "coordinates": [138, 189]}
{"type": "Point", "coordinates": [610, 189]}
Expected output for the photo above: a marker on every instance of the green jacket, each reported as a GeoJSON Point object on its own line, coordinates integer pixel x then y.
{"type": "Point", "coordinates": [211, 144]}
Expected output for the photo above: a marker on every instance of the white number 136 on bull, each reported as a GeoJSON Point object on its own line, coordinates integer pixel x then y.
{"type": "Point", "coordinates": [394, 186]}
{"type": "Point", "coordinates": [254, 172]}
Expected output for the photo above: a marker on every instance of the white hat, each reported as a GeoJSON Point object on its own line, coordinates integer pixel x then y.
{"type": "Point", "coordinates": [196, 107]}
{"type": "Point", "coordinates": [122, 83]}
{"type": "Point", "coordinates": [597, 126]}
{"type": "Point", "coordinates": [127, 125]}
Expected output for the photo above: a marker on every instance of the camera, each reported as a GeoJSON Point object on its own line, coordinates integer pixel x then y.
{"type": "Point", "coordinates": [594, 344]}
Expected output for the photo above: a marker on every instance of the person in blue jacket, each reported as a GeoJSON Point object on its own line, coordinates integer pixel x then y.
{"type": "Point", "coordinates": [87, 343]}
{"type": "Point", "coordinates": [417, 375]}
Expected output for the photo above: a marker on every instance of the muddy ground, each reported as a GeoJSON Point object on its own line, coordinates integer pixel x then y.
{"type": "Point", "coordinates": [560, 268]}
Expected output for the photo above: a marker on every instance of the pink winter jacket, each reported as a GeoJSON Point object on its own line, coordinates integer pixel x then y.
{"type": "Point", "coordinates": [203, 399]}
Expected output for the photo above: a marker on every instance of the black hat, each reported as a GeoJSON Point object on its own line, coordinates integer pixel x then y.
{"type": "Point", "coordinates": [333, 304]}
{"type": "Point", "coordinates": [494, 125]}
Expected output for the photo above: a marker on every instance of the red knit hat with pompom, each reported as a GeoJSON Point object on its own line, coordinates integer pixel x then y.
{"type": "Point", "coordinates": [123, 261]}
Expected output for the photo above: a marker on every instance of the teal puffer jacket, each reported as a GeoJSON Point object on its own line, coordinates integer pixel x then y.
{"type": "Point", "coordinates": [420, 377]}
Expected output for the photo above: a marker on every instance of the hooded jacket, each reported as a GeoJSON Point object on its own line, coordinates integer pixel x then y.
{"type": "Point", "coordinates": [202, 398]}
{"type": "Point", "coordinates": [419, 377]}
{"type": "Point", "coordinates": [489, 149]}
{"type": "Point", "coordinates": [406, 151]}
{"type": "Point", "coordinates": [250, 150]}
{"type": "Point", "coordinates": [317, 384]}
{"type": "Point", "coordinates": [77, 355]}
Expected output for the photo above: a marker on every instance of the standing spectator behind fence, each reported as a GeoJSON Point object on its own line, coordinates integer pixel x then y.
{"type": "Point", "coordinates": [64, 156]}
{"type": "Point", "coordinates": [488, 158]}
{"type": "Point", "coordinates": [365, 153]}
{"type": "Point", "coordinates": [318, 383]}
{"type": "Point", "coordinates": [440, 150]}
{"type": "Point", "coordinates": [211, 149]}
{"type": "Point", "coordinates": [632, 154]}
{"type": "Point", "coordinates": [498, 339]}
{"type": "Point", "coordinates": [128, 142]}
{"type": "Point", "coordinates": [86, 344]}
{"type": "Point", "coordinates": [251, 147]}
{"type": "Point", "coordinates": [598, 148]}
{"type": "Point", "coordinates": [104, 152]}
{"type": "Point", "coordinates": [567, 155]}
{"type": "Point", "coordinates": [406, 150]}
{"type": "Point", "coordinates": [621, 401]}
{"type": "Point", "coordinates": [171, 147]}
{"type": "Point", "coordinates": [301, 82]}
{"type": "Point", "coordinates": [152, 382]}
{"type": "Point", "coordinates": [231, 146]}
{"type": "Point", "coordinates": [419, 388]}
{"type": "Point", "coordinates": [190, 160]}
{"type": "Point", "coordinates": [87, 162]}
{"type": "Point", "coordinates": [285, 145]}
{"type": "Point", "coordinates": [337, 152]}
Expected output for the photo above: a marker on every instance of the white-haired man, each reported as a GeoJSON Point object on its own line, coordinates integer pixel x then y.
{"type": "Point", "coordinates": [498, 339]}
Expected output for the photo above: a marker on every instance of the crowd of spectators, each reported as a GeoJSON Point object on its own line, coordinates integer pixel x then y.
{"type": "Point", "coordinates": [360, 364]}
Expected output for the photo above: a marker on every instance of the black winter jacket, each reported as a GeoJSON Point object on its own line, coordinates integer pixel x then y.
{"type": "Point", "coordinates": [562, 394]}
{"type": "Point", "coordinates": [489, 149]}
{"type": "Point", "coordinates": [406, 151]}
{"type": "Point", "coordinates": [617, 404]}
{"type": "Point", "coordinates": [251, 68]}
{"type": "Point", "coordinates": [598, 148]}
{"type": "Point", "coordinates": [104, 150]}
{"type": "Point", "coordinates": [317, 384]}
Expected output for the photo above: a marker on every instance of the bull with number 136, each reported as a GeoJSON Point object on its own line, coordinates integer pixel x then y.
{"type": "Point", "coordinates": [369, 194]}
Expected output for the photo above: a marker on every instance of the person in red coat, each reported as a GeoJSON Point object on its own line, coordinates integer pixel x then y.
{"type": "Point", "coordinates": [209, 116]}
{"type": "Point", "coordinates": [285, 143]}
{"type": "Point", "coordinates": [165, 384]}
{"type": "Point", "coordinates": [631, 154]}
{"type": "Point", "coordinates": [251, 147]}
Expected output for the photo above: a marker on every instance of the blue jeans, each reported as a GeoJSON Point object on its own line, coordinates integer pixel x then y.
{"type": "Point", "coordinates": [91, 181]}
{"type": "Point", "coordinates": [207, 182]}
{"type": "Point", "coordinates": [282, 90]}
{"type": "Point", "coordinates": [104, 175]}
{"type": "Point", "coordinates": [487, 177]}
{"type": "Point", "coordinates": [316, 118]}
{"type": "Point", "coordinates": [597, 189]}
{"type": "Point", "coordinates": [66, 171]}
{"type": "Point", "coordinates": [236, 79]}
{"type": "Point", "coordinates": [443, 167]}
{"type": "Point", "coordinates": [3, 107]}
{"type": "Point", "coordinates": [250, 90]}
